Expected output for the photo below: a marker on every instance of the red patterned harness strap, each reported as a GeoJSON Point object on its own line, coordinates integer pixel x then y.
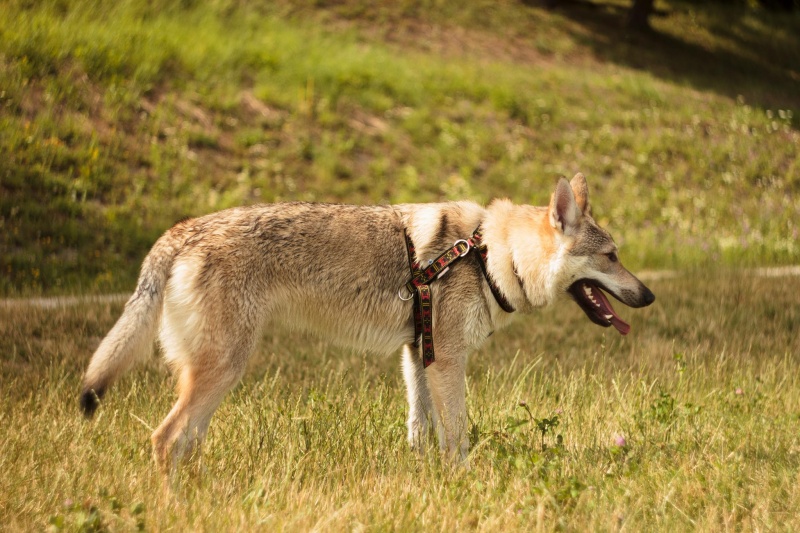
{"type": "Point", "coordinates": [418, 295]}
{"type": "Point", "coordinates": [418, 287]}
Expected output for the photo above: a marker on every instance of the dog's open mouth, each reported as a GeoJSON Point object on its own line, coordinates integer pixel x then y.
{"type": "Point", "coordinates": [596, 306]}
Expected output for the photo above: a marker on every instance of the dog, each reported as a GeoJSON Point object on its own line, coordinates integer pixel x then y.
{"type": "Point", "coordinates": [210, 285]}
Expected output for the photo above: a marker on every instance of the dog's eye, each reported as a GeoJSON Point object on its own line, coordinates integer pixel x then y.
{"type": "Point", "coordinates": [612, 257]}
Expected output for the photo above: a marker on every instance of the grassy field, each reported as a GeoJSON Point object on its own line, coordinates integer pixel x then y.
{"type": "Point", "coordinates": [689, 422]}
{"type": "Point", "coordinates": [118, 119]}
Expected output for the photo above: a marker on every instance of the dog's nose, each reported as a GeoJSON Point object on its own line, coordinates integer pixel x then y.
{"type": "Point", "coordinates": [649, 297]}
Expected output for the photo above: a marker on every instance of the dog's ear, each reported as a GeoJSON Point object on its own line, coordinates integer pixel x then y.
{"type": "Point", "coordinates": [581, 191]}
{"type": "Point", "coordinates": [564, 211]}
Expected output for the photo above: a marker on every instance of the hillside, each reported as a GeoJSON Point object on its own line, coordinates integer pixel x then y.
{"type": "Point", "coordinates": [118, 120]}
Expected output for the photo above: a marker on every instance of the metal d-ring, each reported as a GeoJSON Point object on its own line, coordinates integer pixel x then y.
{"type": "Point", "coordinates": [469, 246]}
{"type": "Point", "coordinates": [400, 290]}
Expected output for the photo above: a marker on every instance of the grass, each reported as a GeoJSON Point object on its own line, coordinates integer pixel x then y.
{"type": "Point", "coordinates": [689, 422]}
{"type": "Point", "coordinates": [116, 120]}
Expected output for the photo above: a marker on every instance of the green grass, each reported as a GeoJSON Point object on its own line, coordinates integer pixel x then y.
{"type": "Point", "coordinates": [704, 392]}
{"type": "Point", "coordinates": [116, 120]}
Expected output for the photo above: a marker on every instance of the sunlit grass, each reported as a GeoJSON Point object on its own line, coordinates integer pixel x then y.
{"type": "Point", "coordinates": [689, 422]}
{"type": "Point", "coordinates": [119, 118]}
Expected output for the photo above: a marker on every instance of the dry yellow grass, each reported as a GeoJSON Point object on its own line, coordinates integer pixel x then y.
{"type": "Point", "coordinates": [704, 393]}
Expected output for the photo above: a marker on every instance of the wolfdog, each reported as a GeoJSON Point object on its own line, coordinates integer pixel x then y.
{"type": "Point", "coordinates": [211, 284]}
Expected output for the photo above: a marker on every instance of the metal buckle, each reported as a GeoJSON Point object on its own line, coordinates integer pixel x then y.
{"type": "Point", "coordinates": [469, 246]}
{"type": "Point", "coordinates": [399, 295]}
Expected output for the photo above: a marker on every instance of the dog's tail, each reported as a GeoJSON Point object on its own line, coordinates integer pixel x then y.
{"type": "Point", "coordinates": [132, 336]}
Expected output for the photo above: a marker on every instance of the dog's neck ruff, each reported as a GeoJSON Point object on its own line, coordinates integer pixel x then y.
{"type": "Point", "coordinates": [418, 287]}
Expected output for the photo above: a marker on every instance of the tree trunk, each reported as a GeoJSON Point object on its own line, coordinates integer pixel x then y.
{"type": "Point", "coordinates": [638, 18]}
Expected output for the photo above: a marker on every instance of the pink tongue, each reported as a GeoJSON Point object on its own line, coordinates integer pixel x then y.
{"type": "Point", "coordinates": [622, 326]}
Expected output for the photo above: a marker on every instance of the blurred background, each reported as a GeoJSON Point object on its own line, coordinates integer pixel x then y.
{"type": "Point", "coordinates": [118, 119]}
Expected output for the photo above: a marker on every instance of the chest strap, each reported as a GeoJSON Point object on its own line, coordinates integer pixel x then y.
{"type": "Point", "coordinates": [483, 254]}
{"type": "Point", "coordinates": [418, 287]}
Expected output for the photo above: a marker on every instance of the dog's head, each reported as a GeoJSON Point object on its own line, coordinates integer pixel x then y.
{"type": "Point", "coordinates": [589, 260]}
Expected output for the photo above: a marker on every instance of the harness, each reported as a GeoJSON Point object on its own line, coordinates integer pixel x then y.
{"type": "Point", "coordinates": [418, 287]}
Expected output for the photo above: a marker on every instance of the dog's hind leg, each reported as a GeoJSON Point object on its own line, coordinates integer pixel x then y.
{"type": "Point", "coordinates": [207, 343]}
{"type": "Point", "coordinates": [419, 399]}
{"type": "Point", "coordinates": [200, 391]}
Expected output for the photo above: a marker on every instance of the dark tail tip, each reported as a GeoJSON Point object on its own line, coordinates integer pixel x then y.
{"type": "Point", "coordinates": [90, 400]}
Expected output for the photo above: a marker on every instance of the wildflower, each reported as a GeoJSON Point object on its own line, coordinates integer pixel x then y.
{"type": "Point", "coordinates": [619, 440]}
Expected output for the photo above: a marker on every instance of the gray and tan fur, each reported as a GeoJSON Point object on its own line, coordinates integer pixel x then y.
{"type": "Point", "coordinates": [213, 283]}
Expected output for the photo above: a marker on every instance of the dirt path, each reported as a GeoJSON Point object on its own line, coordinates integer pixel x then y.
{"type": "Point", "coordinates": [53, 302]}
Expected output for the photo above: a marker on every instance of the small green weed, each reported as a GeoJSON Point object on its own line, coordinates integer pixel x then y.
{"type": "Point", "coordinates": [106, 513]}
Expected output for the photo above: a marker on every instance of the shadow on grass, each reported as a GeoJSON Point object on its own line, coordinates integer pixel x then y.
{"type": "Point", "coordinates": [764, 68]}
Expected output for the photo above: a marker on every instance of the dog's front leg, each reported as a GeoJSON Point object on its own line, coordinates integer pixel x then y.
{"type": "Point", "coordinates": [419, 399]}
{"type": "Point", "coordinates": [447, 384]}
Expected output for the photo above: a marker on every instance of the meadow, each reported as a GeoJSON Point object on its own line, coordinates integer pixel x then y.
{"type": "Point", "coordinates": [118, 119]}
{"type": "Point", "coordinates": [690, 422]}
